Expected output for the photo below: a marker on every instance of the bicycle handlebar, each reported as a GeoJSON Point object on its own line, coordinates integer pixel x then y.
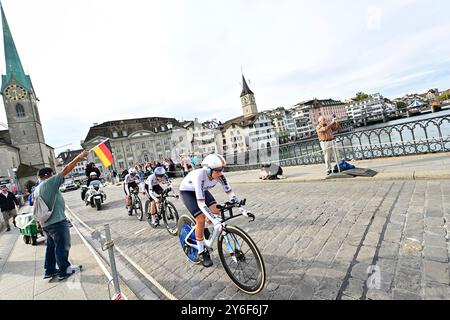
{"type": "Point", "coordinates": [228, 206]}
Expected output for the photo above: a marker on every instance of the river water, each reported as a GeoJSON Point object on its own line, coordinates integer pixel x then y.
{"type": "Point", "coordinates": [420, 130]}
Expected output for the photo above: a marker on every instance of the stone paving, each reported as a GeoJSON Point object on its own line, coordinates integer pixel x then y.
{"type": "Point", "coordinates": [319, 240]}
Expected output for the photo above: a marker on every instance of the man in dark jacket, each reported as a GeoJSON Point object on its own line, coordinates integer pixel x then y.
{"type": "Point", "coordinates": [92, 168]}
{"type": "Point", "coordinates": [8, 202]}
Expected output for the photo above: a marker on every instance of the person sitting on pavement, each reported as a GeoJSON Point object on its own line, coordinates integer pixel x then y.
{"type": "Point", "coordinates": [153, 190]}
{"type": "Point", "coordinates": [271, 172]}
{"type": "Point", "coordinates": [200, 202]}
{"type": "Point", "coordinates": [8, 203]}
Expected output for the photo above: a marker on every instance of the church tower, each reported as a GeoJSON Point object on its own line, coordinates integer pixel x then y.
{"type": "Point", "coordinates": [19, 98]}
{"type": "Point", "coordinates": [248, 100]}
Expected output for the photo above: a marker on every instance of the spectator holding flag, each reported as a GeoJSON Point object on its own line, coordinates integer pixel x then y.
{"type": "Point", "coordinates": [57, 226]}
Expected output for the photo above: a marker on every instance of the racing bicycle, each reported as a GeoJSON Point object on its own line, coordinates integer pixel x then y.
{"type": "Point", "coordinates": [166, 211]}
{"type": "Point", "coordinates": [238, 253]}
{"type": "Point", "coordinates": [136, 204]}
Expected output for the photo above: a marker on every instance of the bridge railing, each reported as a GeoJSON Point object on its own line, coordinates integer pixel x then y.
{"type": "Point", "coordinates": [413, 137]}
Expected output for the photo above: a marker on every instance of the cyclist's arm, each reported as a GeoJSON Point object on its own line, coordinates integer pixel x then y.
{"type": "Point", "coordinates": [200, 195]}
{"type": "Point", "coordinates": [127, 188]}
{"type": "Point", "coordinates": [227, 188]}
{"type": "Point", "coordinates": [146, 187]}
{"type": "Point", "coordinates": [205, 209]}
{"type": "Point", "coordinates": [168, 183]}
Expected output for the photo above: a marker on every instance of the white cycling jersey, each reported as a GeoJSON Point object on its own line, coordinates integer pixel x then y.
{"type": "Point", "coordinates": [198, 181]}
{"type": "Point", "coordinates": [129, 180]}
{"type": "Point", "coordinates": [151, 182]}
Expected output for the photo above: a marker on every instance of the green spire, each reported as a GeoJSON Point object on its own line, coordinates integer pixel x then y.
{"type": "Point", "coordinates": [14, 67]}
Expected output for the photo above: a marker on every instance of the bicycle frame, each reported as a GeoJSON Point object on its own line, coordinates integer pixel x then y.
{"type": "Point", "coordinates": [209, 242]}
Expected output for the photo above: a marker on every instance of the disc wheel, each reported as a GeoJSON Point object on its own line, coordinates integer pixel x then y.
{"type": "Point", "coordinates": [185, 225]}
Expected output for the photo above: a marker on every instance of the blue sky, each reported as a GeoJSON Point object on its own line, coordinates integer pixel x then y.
{"type": "Point", "coordinates": [98, 60]}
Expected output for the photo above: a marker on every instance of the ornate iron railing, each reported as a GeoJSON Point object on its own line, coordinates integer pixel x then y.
{"type": "Point", "coordinates": [414, 137]}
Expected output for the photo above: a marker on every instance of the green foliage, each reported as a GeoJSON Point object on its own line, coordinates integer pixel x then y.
{"type": "Point", "coordinates": [401, 105]}
{"type": "Point", "coordinates": [444, 96]}
{"type": "Point", "coordinates": [361, 96]}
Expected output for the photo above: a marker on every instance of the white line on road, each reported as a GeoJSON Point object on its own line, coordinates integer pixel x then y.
{"type": "Point", "coordinates": [163, 290]}
{"type": "Point", "coordinates": [137, 232]}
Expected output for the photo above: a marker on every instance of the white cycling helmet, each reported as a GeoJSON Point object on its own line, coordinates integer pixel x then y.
{"type": "Point", "coordinates": [93, 174]}
{"type": "Point", "coordinates": [132, 171]}
{"type": "Point", "coordinates": [160, 171]}
{"type": "Point", "coordinates": [214, 161]}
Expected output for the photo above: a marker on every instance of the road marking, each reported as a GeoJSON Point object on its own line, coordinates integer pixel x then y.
{"type": "Point", "coordinates": [136, 233]}
{"type": "Point", "coordinates": [163, 290]}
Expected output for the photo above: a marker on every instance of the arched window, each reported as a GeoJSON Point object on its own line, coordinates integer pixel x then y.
{"type": "Point", "coordinates": [20, 112]}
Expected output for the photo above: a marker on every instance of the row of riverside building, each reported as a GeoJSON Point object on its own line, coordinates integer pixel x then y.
{"type": "Point", "coordinates": [157, 138]}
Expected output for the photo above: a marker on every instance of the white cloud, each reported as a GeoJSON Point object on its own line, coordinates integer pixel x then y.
{"type": "Point", "coordinates": [374, 15]}
{"type": "Point", "coordinates": [95, 61]}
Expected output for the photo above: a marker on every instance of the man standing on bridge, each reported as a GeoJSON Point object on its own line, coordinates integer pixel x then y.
{"type": "Point", "coordinates": [325, 134]}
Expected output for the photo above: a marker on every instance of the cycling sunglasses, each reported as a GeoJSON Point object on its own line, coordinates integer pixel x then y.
{"type": "Point", "coordinates": [218, 170]}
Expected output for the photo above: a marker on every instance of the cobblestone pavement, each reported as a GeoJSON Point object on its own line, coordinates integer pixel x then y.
{"type": "Point", "coordinates": [324, 240]}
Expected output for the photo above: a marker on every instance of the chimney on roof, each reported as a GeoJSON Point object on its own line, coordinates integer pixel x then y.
{"type": "Point", "coordinates": [95, 124]}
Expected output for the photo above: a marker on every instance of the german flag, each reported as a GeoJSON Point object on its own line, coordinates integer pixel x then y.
{"type": "Point", "coordinates": [104, 153]}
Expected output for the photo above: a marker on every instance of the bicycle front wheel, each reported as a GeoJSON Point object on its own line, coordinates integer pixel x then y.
{"type": "Point", "coordinates": [242, 260]}
{"type": "Point", "coordinates": [138, 208]}
{"type": "Point", "coordinates": [170, 217]}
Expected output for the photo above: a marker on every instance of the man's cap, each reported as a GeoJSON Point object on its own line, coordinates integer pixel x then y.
{"type": "Point", "coordinates": [45, 172]}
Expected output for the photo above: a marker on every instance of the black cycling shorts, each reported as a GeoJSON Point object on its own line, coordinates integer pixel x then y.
{"type": "Point", "coordinates": [157, 189]}
{"type": "Point", "coordinates": [190, 201]}
{"type": "Point", "coordinates": [131, 186]}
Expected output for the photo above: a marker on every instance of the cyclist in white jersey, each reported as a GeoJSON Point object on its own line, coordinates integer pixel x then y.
{"type": "Point", "coordinates": [153, 190]}
{"type": "Point", "coordinates": [131, 181]}
{"type": "Point", "coordinates": [200, 202]}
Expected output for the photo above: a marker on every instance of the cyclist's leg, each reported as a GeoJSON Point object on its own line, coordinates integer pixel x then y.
{"type": "Point", "coordinates": [127, 199]}
{"type": "Point", "coordinates": [153, 212]}
{"type": "Point", "coordinates": [158, 190]}
{"type": "Point", "coordinates": [190, 201]}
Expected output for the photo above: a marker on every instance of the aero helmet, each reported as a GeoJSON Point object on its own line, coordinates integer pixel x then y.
{"type": "Point", "coordinates": [214, 161]}
{"type": "Point", "coordinates": [160, 171]}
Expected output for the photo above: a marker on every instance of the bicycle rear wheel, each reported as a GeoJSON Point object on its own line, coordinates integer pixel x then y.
{"type": "Point", "coordinates": [137, 205]}
{"type": "Point", "coordinates": [185, 225]}
{"type": "Point", "coordinates": [170, 217]}
{"type": "Point", "coordinates": [245, 265]}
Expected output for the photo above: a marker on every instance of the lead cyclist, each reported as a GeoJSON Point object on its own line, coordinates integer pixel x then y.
{"type": "Point", "coordinates": [200, 202]}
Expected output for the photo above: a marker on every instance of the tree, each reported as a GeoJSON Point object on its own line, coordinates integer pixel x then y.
{"type": "Point", "coordinates": [401, 105]}
{"type": "Point", "coordinates": [444, 96]}
{"type": "Point", "coordinates": [361, 96]}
